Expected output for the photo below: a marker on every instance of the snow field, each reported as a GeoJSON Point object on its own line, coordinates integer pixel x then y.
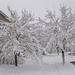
{"type": "Point", "coordinates": [53, 66]}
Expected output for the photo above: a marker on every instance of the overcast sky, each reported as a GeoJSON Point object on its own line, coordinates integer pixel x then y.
{"type": "Point", "coordinates": [38, 7]}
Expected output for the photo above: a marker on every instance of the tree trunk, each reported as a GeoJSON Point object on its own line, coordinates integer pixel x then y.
{"type": "Point", "coordinates": [63, 58]}
{"type": "Point", "coordinates": [16, 59]}
{"type": "Point", "coordinates": [57, 50]}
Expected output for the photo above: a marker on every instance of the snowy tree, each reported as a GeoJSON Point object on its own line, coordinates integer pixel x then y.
{"type": "Point", "coordinates": [19, 39]}
{"type": "Point", "coordinates": [67, 23]}
{"type": "Point", "coordinates": [61, 30]}
{"type": "Point", "coordinates": [50, 30]}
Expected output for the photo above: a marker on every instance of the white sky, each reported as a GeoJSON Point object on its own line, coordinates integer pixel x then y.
{"type": "Point", "coordinates": [38, 7]}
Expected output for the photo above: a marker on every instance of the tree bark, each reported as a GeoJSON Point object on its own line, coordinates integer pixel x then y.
{"type": "Point", "coordinates": [16, 59]}
{"type": "Point", "coordinates": [63, 58]}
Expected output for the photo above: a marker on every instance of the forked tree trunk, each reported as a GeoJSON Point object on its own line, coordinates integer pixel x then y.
{"type": "Point", "coordinates": [16, 59]}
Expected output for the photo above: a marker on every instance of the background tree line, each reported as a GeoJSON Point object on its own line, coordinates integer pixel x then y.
{"type": "Point", "coordinates": [28, 38]}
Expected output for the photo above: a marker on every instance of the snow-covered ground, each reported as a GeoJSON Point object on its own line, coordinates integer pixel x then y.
{"type": "Point", "coordinates": [53, 66]}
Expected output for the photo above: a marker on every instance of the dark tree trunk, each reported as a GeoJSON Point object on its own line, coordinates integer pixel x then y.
{"type": "Point", "coordinates": [16, 59]}
{"type": "Point", "coordinates": [63, 58]}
